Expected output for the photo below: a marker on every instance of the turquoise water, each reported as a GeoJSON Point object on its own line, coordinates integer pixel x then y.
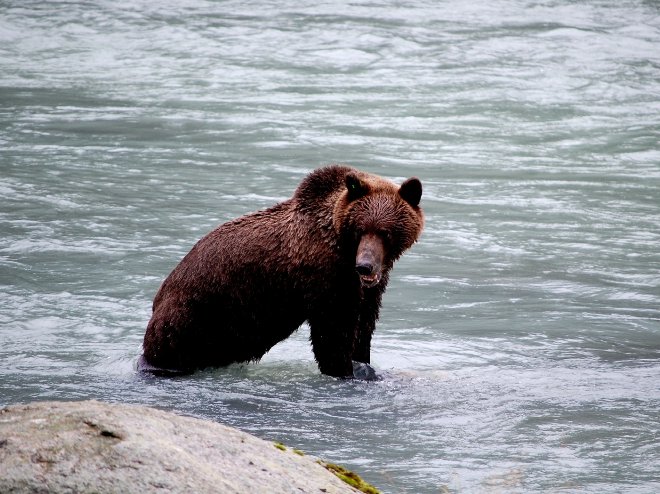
{"type": "Point", "coordinates": [519, 339]}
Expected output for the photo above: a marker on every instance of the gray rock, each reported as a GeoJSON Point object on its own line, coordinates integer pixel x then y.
{"type": "Point", "coordinates": [80, 447]}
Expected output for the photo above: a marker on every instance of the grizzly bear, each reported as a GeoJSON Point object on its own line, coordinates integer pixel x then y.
{"type": "Point", "coordinates": [323, 256]}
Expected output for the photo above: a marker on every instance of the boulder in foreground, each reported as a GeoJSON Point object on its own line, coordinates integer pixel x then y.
{"type": "Point", "coordinates": [62, 447]}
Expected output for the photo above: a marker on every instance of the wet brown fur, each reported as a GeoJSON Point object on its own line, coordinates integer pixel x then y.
{"type": "Point", "coordinates": [253, 281]}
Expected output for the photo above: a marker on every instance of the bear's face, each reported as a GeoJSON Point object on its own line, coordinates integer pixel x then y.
{"type": "Point", "coordinates": [378, 221]}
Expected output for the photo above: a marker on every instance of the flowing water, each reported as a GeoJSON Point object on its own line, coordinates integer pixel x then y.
{"type": "Point", "coordinates": [519, 339]}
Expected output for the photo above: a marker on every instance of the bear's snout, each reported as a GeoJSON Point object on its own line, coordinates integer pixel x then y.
{"type": "Point", "coordinates": [365, 269]}
{"type": "Point", "coordinates": [369, 259]}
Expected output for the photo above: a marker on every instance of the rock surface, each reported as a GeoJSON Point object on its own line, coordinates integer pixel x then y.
{"type": "Point", "coordinates": [78, 447]}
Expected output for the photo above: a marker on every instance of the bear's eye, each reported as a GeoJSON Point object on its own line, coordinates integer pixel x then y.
{"type": "Point", "coordinates": [386, 236]}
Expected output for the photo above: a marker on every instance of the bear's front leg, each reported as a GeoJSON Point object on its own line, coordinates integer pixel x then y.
{"type": "Point", "coordinates": [362, 351]}
{"type": "Point", "coordinates": [369, 309]}
{"type": "Point", "coordinates": [332, 342]}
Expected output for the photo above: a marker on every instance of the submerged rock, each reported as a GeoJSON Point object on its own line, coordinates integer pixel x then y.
{"type": "Point", "coordinates": [365, 372]}
{"type": "Point", "coordinates": [89, 446]}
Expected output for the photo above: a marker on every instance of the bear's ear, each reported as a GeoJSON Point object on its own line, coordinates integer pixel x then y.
{"type": "Point", "coordinates": [356, 188]}
{"type": "Point", "coordinates": [411, 191]}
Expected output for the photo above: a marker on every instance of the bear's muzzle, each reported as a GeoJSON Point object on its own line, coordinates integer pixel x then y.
{"type": "Point", "coordinates": [369, 259]}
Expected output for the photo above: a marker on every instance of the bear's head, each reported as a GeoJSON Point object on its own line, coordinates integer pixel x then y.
{"type": "Point", "coordinates": [377, 220]}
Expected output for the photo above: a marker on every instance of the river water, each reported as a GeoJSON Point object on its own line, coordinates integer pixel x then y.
{"type": "Point", "coordinates": [519, 339]}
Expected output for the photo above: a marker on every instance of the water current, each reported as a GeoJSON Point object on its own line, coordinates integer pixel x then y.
{"type": "Point", "coordinates": [519, 339]}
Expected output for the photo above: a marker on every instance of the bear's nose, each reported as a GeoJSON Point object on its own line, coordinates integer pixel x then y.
{"type": "Point", "coordinates": [365, 268]}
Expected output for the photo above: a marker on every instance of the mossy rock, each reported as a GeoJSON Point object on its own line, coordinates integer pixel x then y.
{"type": "Point", "coordinates": [351, 478]}
{"type": "Point", "coordinates": [98, 447]}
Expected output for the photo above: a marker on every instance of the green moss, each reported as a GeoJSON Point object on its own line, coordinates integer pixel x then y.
{"type": "Point", "coordinates": [282, 447]}
{"type": "Point", "coordinates": [351, 478]}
